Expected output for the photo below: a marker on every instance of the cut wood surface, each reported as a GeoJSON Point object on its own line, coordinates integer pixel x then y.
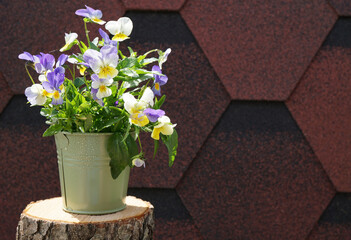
{"type": "Point", "coordinates": [45, 219]}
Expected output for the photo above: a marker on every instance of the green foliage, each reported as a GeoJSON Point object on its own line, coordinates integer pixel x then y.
{"type": "Point", "coordinates": [53, 129]}
{"type": "Point", "coordinates": [121, 153]}
{"type": "Point", "coordinates": [156, 147]}
{"type": "Point", "coordinates": [171, 143]}
{"type": "Point", "coordinates": [158, 103]}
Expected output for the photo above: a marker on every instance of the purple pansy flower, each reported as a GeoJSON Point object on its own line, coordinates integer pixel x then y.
{"type": "Point", "coordinates": [153, 114]}
{"type": "Point", "coordinates": [159, 80]}
{"type": "Point", "coordinates": [47, 62]}
{"type": "Point", "coordinates": [53, 85]}
{"type": "Point", "coordinates": [94, 15]}
{"type": "Point", "coordinates": [103, 63]}
{"type": "Point", "coordinates": [106, 38]}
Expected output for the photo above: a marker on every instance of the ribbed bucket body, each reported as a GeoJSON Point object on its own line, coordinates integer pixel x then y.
{"type": "Point", "coordinates": [87, 186]}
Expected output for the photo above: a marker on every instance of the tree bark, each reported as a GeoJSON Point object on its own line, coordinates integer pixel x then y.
{"type": "Point", "coordinates": [46, 220]}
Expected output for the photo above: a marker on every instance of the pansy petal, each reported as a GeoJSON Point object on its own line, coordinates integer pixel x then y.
{"type": "Point", "coordinates": [126, 25]}
{"type": "Point", "coordinates": [109, 55]}
{"type": "Point", "coordinates": [72, 60]}
{"type": "Point", "coordinates": [59, 70]}
{"type": "Point", "coordinates": [39, 68]}
{"type": "Point", "coordinates": [48, 87]}
{"type": "Point", "coordinates": [61, 60]}
{"type": "Point", "coordinates": [163, 57]}
{"type": "Point", "coordinates": [95, 84]}
{"type": "Point", "coordinates": [97, 14]}
{"type": "Point", "coordinates": [93, 58]}
{"type": "Point", "coordinates": [42, 78]}
{"type": "Point", "coordinates": [26, 56]}
{"type": "Point", "coordinates": [164, 119]}
{"type": "Point", "coordinates": [156, 89]}
{"type": "Point", "coordinates": [129, 102]}
{"type": "Point", "coordinates": [104, 35]}
{"type": "Point", "coordinates": [167, 129]}
{"type": "Point", "coordinates": [112, 27]}
{"type": "Point", "coordinates": [156, 68]}
{"type": "Point", "coordinates": [70, 37]}
{"type": "Point", "coordinates": [120, 37]}
{"type": "Point", "coordinates": [98, 21]}
{"type": "Point", "coordinates": [95, 77]}
{"type": "Point", "coordinates": [156, 133]}
{"type": "Point", "coordinates": [108, 72]}
{"type": "Point", "coordinates": [104, 92]}
{"type": "Point", "coordinates": [148, 97]}
{"type": "Point", "coordinates": [153, 114]}
{"type": "Point", "coordinates": [163, 80]}
{"type": "Point", "coordinates": [48, 61]}
{"type": "Point", "coordinates": [107, 82]}
{"type": "Point", "coordinates": [82, 12]}
{"type": "Point", "coordinates": [41, 99]}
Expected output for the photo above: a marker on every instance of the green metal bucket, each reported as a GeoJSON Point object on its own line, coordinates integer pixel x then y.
{"type": "Point", "coordinates": [87, 186]}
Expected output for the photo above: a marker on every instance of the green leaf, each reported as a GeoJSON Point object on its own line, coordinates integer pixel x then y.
{"type": "Point", "coordinates": [83, 45]}
{"type": "Point", "coordinates": [135, 82]}
{"type": "Point", "coordinates": [53, 129]}
{"type": "Point", "coordinates": [118, 152]}
{"type": "Point", "coordinates": [171, 142]}
{"type": "Point", "coordinates": [78, 82]}
{"type": "Point", "coordinates": [108, 123]}
{"type": "Point", "coordinates": [45, 112]}
{"type": "Point", "coordinates": [132, 53]}
{"type": "Point", "coordinates": [127, 63]}
{"type": "Point", "coordinates": [127, 132]}
{"type": "Point", "coordinates": [129, 72]}
{"type": "Point", "coordinates": [147, 61]}
{"type": "Point", "coordinates": [121, 54]}
{"type": "Point", "coordinates": [93, 46]}
{"type": "Point", "coordinates": [84, 106]}
{"type": "Point", "coordinates": [88, 122]}
{"type": "Point", "coordinates": [132, 148]}
{"type": "Point", "coordinates": [159, 103]}
{"type": "Point", "coordinates": [69, 108]}
{"type": "Point", "coordinates": [134, 134]}
{"type": "Point", "coordinates": [156, 146]}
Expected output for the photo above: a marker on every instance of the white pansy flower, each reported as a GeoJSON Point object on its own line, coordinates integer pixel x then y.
{"type": "Point", "coordinates": [120, 29]}
{"type": "Point", "coordinates": [70, 40]}
{"type": "Point", "coordinates": [101, 85]}
{"type": "Point", "coordinates": [136, 107]}
{"type": "Point", "coordinates": [164, 126]}
{"type": "Point", "coordinates": [36, 95]}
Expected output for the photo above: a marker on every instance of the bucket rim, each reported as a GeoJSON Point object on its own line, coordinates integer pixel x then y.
{"type": "Point", "coordinates": [85, 134]}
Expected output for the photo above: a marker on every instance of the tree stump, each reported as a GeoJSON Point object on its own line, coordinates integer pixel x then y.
{"type": "Point", "coordinates": [46, 220]}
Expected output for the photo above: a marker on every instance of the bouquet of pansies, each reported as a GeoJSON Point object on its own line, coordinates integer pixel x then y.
{"type": "Point", "coordinates": [112, 92]}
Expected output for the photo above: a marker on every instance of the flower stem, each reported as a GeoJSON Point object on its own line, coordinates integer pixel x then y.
{"type": "Point", "coordinates": [87, 32]}
{"type": "Point", "coordinates": [29, 74]}
{"type": "Point", "coordinates": [72, 74]}
{"type": "Point", "coordinates": [141, 148]}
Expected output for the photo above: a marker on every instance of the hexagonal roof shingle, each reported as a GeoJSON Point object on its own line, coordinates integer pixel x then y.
{"type": "Point", "coordinates": [259, 49]}
{"type": "Point", "coordinates": [321, 105]}
{"type": "Point", "coordinates": [256, 177]}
